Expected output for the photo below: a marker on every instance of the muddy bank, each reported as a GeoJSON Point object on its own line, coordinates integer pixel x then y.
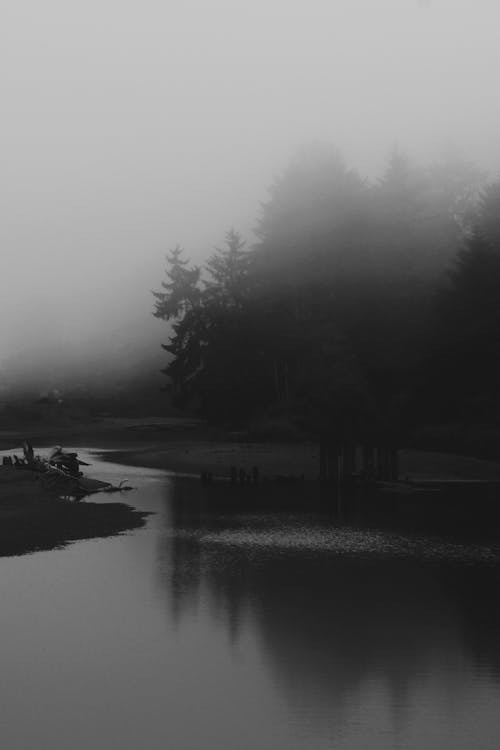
{"type": "Point", "coordinates": [287, 459]}
{"type": "Point", "coordinates": [187, 445]}
{"type": "Point", "coordinates": [31, 518]}
{"type": "Point", "coordinates": [217, 457]}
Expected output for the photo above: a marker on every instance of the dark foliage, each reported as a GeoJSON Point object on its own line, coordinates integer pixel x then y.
{"type": "Point", "coordinates": [331, 320]}
{"type": "Point", "coordinates": [464, 368]}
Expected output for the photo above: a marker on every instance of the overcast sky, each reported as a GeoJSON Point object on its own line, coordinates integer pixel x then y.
{"type": "Point", "coordinates": [129, 126]}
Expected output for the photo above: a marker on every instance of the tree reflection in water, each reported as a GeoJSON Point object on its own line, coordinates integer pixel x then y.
{"type": "Point", "coordinates": [336, 606]}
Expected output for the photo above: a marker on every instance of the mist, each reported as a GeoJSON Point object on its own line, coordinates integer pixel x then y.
{"type": "Point", "coordinates": [129, 128]}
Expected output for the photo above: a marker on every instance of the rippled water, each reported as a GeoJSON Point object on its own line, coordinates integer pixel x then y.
{"type": "Point", "coordinates": [221, 626]}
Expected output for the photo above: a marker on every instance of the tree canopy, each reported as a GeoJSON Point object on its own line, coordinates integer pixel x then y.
{"type": "Point", "coordinates": [330, 316]}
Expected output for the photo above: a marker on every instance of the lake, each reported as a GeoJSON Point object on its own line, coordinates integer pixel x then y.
{"type": "Point", "coordinates": [223, 625]}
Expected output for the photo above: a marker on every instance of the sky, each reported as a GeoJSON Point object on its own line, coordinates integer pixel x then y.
{"type": "Point", "coordinates": [130, 126]}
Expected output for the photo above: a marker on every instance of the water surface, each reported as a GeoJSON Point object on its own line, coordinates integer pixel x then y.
{"type": "Point", "coordinates": [220, 625]}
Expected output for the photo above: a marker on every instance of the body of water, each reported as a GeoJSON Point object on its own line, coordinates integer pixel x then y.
{"type": "Point", "coordinates": [223, 626]}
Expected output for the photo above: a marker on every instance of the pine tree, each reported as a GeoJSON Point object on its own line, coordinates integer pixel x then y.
{"type": "Point", "coordinates": [464, 366]}
{"type": "Point", "coordinates": [228, 269]}
{"type": "Point", "coordinates": [180, 303]}
{"type": "Point", "coordinates": [233, 380]}
{"type": "Point", "coordinates": [181, 292]}
{"type": "Point", "coordinates": [489, 212]}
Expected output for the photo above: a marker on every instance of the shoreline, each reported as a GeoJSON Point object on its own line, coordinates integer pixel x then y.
{"type": "Point", "coordinates": [195, 457]}
{"type": "Point", "coordinates": [33, 519]}
{"type": "Point", "coordinates": [187, 445]}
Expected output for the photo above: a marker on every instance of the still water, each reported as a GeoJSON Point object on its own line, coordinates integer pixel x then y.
{"type": "Point", "coordinates": [220, 626]}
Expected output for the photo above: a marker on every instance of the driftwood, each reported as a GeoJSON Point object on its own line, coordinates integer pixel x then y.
{"type": "Point", "coordinates": [60, 473]}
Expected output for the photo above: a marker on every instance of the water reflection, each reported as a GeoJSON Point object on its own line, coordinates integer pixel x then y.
{"type": "Point", "coordinates": [339, 609]}
{"type": "Point", "coordinates": [264, 629]}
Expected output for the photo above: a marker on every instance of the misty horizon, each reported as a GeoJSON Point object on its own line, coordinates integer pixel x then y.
{"type": "Point", "coordinates": [249, 368]}
{"type": "Point", "coordinates": [130, 130]}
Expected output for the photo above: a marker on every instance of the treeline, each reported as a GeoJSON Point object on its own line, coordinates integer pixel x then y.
{"type": "Point", "coordinates": [363, 308]}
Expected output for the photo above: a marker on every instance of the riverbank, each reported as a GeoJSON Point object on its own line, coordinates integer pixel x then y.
{"type": "Point", "coordinates": [32, 518]}
{"type": "Point", "coordinates": [103, 432]}
{"type": "Point", "coordinates": [217, 457]}
{"type": "Point", "coordinates": [187, 445]}
{"type": "Point", "coordinates": [273, 460]}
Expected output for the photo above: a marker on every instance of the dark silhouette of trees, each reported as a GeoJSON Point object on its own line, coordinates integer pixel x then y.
{"type": "Point", "coordinates": [215, 340]}
{"type": "Point", "coordinates": [460, 375]}
{"type": "Point", "coordinates": [312, 248]}
{"type": "Point", "coordinates": [331, 319]}
{"type": "Point", "coordinates": [180, 292]}
{"type": "Point", "coordinates": [180, 303]}
{"type": "Point", "coordinates": [233, 381]}
{"type": "Point", "coordinates": [489, 213]}
{"type": "Point", "coordinates": [464, 369]}
{"type": "Point", "coordinates": [228, 285]}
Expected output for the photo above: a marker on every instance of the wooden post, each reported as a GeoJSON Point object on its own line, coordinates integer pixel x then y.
{"type": "Point", "coordinates": [323, 463]}
{"type": "Point", "coordinates": [394, 465]}
{"type": "Point", "coordinates": [348, 454]}
{"type": "Point", "coordinates": [334, 468]}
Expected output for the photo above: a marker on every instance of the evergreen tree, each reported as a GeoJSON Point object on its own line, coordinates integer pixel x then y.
{"type": "Point", "coordinates": [314, 222]}
{"type": "Point", "coordinates": [464, 366]}
{"type": "Point", "coordinates": [489, 212]}
{"type": "Point", "coordinates": [228, 269]}
{"type": "Point", "coordinates": [215, 344]}
{"type": "Point", "coordinates": [326, 317]}
{"type": "Point", "coordinates": [234, 381]}
{"type": "Point", "coordinates": [181, 291]}
{"type": "Point", "coordinates": [180, 303]}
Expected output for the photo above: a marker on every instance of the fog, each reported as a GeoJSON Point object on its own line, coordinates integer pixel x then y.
{"type": "Point", "coordinates": [130, 127]}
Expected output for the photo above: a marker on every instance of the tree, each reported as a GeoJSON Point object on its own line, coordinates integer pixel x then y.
{"type": "Point", "coordinates": [464, 364]}
{"type": "Point", "coordinates": [180, 303]}
{"type": "Point", "coordinates": [325, 319]}
{"type": "Point", "coordinates": [228, 269]}
{"type": "Point", "coordinates": [488, 213]}
{"type": "Point", "coordinates": [455, 190]}
{"type": "Point", "coordinates": [181, 290]}
{"type": "Point", "coordinates": [233, 382]}
{"type": "Point", "coordinates": [313, 246]}
{"type": "Point", "coordinates": [214, 346]}
{"type": "Point", "coordinates": [314, 221]}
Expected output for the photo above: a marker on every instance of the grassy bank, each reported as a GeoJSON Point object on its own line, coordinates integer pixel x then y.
{"type": "Point", "coordinates": [31, 518]}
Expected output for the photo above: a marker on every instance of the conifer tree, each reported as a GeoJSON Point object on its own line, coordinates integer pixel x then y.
{"type": "Point", "coordinates": [228, 270]}
{"type": "Point", "coordinates": [181, 291]}
{"type": "Point", "coordinates": [180, 304]}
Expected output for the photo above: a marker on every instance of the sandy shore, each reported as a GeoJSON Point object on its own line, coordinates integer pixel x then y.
{"type": "Point", "coordinates": [33, 519]}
